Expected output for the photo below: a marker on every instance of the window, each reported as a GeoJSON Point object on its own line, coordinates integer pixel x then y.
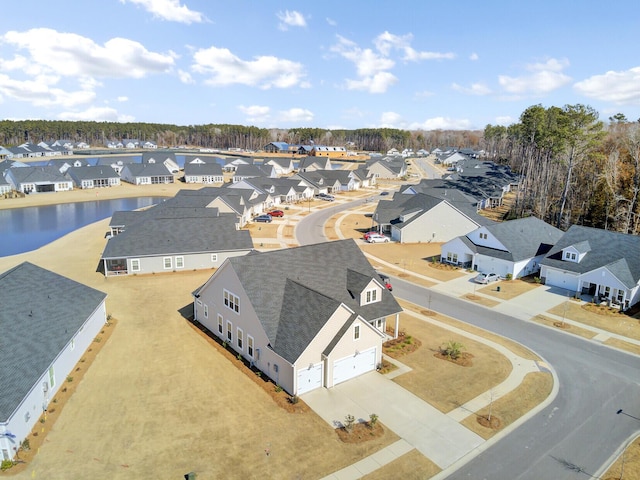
{"type": "Point", "coordinates": [250, 346]}
{"type": "Point", "coordinates": [220, 321]}
{"type": "Point", "coordinates": [356, 332]}
{"type": "Point", "coordinates": [214, 257]}
{"type": "Point", "coordinates": [179, 262]}
{"type": "Point", "coordinates": [135, 265]}
{"type": "Point", "coordinates": [483, 236]}
{"type": "Point", "coordinates": [607, 292]}
{"type": "Point", "coordinates": [573, 257]}
{"type": "Point", "coordinates": [231, 301]}
{"type": "Point", "coordinates": [206, 311]}
{"type": "Point", "coordinates": [229, 334]}
{"type": "Point", "coordinates": [371, 295]}
{"type": "Point", "coordinates": [167, 263]}
{"type": "Point", "coordinates": [239, 334]}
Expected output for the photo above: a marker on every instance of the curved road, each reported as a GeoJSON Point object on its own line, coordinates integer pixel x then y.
{"type": "Point", "coordinates": [579, 431]}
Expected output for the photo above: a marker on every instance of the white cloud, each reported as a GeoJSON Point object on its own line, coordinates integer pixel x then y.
{"type": "Point", "coordinates": [474, 89]}
{"type": "Point", "coordinates": [544, 78]}
{"type": "Point", "coordinates": [332, 22]}
{"type": "Point", "coordinates": [224, 68]}
{"type": "Point", "coordinates": [390, 120]}
{"type": "Point", "coordinates": [442, 123]}
{"type": "Point", "coordinates": [505, 120]}
{"type": "Point", "coordinates": [68, 54]}
{"type": "Point", "coordinates": [618, 87]}
{"type": "Point", "coordinates": [256, 114]}
{"type": "Point", "coordinates": [185, 77]}
{"type": "Point", "coordinates": [41, 92]}
{"type": "Point", "coordinates": [473, 57]}
{"type": "Point", "coordinates": [98, 114]}
{"type": "Point", "coordinates": [170, 10]}
{"type": "Point", "coordinates": [378, 83]}
{"type": "Point", "coordinates": [123, 99]}
{"type": "Point", "coordinates": [424, 94]}
{"type": "Point", "coordinates": [290, 19]}
{"type": "Point", "coordinates": [386, 41]}
{"type": "Point", "coordinates": [293, 115]}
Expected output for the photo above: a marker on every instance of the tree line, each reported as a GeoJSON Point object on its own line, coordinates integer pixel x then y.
{"type": "Point", "coordinates": [576, 169]}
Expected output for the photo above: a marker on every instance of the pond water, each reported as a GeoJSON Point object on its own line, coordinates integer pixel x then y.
{"type": "Point", "coordinates": [29, 228]}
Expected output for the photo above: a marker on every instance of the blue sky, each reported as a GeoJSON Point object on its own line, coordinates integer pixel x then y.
{"type": "Point", "coordinates": [326, 64]}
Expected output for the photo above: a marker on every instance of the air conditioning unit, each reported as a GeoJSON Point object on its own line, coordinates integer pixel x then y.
{"type": "Point", "coordinates": [45, 387]}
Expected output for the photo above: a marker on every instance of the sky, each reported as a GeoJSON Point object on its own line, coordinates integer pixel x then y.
{"type": "Point", "coordinates": [348, 64]}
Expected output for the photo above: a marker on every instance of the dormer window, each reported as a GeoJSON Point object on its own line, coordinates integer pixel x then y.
{"type": "Point", "coordinates": [571, 256]}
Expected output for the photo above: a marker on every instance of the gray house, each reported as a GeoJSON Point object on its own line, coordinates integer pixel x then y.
{"type": "Point", "coordinates": [307, 317]}
{"type": "Point", "coordinates": [146, 174]}
{"type": "Point", "coordinates": [201, 172]}
{"type": "Point", "coordinates": [47, 322]}
{"type": "Point", "coordinates": [169, 238]}
{"type": "Point", "coordinates": [93, 177]}
{"type": "Point", "coordinates": [38, 179]}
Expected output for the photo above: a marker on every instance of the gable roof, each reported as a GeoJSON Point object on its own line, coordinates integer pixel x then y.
{"type": "Point", "coordinates": [319, 276]}
{"type": "Point", "coordinates": [91, 173]}
{"type": "Point", "coordinates": [38, 175]}
{"type": "Point", "coordinates": [618, 252]}
{"type": "Point", "coordinates": [525, 237]}
{"type": "Point", "coordinates": [41, 312]}
{"type": "Point", "coordinates": [209, 168]}
{"type": "Point", "coordinates": [146, 169]}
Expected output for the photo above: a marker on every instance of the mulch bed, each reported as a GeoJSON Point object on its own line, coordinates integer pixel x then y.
{"type": "Point", "coordinates": [361, 432]}
{"type": "Point", "coordinates": [443, 266]}
{"type": "Point", "coordinates": [279, 396]}
{"type": "Point", "coordinates": [563, 325]}
{"type": "Point", "coordinates": [464, 359]}
{"type": "Point", "coordinates": [400, 346]}
{"type": "Point", "coordinates": [602, 310]}
{"type": "Point", "coordinates": [495, 423]}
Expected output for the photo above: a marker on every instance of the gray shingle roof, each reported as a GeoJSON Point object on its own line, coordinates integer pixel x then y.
{"type": "Point", "coordinates": [293, 291]}
{"type": "Point", "coordinates": [40, 313]}
{"type": "Point", "coordinates": [38, 175]}
{"type": "Point", "coordinates": [211, 168]}
{"type": "Point", "coordinates": [170, 236]}
{"type": "Point", "coordinates": [618, 252]}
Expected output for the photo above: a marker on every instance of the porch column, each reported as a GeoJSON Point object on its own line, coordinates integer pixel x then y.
{"type": "Point", "coordinates": [397, 327]}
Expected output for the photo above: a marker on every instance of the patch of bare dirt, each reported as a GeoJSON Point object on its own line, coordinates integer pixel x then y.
{"type": "Point", "coordinates": [400, 346]}
{"type": "Point", "coordinates": [492, 422]}
{"type": "Point", "coordinates": [602, 309]}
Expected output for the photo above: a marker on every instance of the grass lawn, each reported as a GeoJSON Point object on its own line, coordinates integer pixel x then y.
{"type": "Point", "coordinates": [410, 466]}
{"type": "Point", "coordinates": [444, 384]}
{"type": "Point", "coordinates": [262, 230]}
{"type": "Point", "coordinates": [631, 464]}
{"type": "Point", "coordinates": [615, 323]}
{"type": "Point", "coordinates": [509, 289]}
{"type": "Point", "coordinates": [480, 300]}
{"type": "Point", "coordinates": [583, 332]}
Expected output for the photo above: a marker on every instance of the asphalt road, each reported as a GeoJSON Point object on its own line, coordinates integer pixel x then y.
{"type": "Point", "coordinates": [579, 431]}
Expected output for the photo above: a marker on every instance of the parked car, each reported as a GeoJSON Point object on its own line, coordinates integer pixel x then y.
{"type": "Point", "coordinates": [384, 192]}
{"type": "Point", "coordinates": [276, 213]}
{"type": "Point", "coordinates": [263, 218]}
{"type": "Point", "coordinates": [368, 234]}
{"type": "Point", "coordinates": [385, 281]}
{"type": "Point", "coordinates": [486, 278]}
{"type": "Point", "coordinates": [326, 197]}
{"type": "Point", "coordinates": [377, 238]}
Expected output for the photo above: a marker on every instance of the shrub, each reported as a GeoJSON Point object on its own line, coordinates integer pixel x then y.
{"type": "Point", "coordinates": [373, 419]}
{"type": "Point", "coordinates": [293, 399]}
{"type": "Point", "coordinates": [278, 388]}
{"type": "Point", "coordinates": [349, 420]}
{"type": "Point", "coordinates": [6, 465]}
{"type": "Point", "coordinates": [536, 279]}
{"type": "Point", "coordinates": [69, 379]}
{"type": "Point", "coordinates": [239, 357]}
{"type": "Point", "coordinates": [452, 349]}
{"type": "Point", "coordinates": [508, 276]}
{"type": "Point", "coordinates": [25, 445]}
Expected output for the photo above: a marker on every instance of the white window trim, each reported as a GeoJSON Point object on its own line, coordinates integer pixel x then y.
{"type": "Point", "coordinates": [356, 332]}
{"type": "Point", "coordinates": [220, 324]}
{"type": "Point", "coordinates": [240, 339]}
{"type": "Point", "coordinates": [250, 346]}
{"type": "Point", "coordinates": [370, 296]}
{"type": "Point", "coordinates": [135, 264]}
{"type": "Point", "coordinates": [167, 261]}
{"type": "Point", "coordinates": [231, 301]}
{"type": "Point", "coordinates": [214, 257]}
{"type": "Point", "coordinates": [180, 262]}
{"type": "Point", "coordinates": [229, 336]}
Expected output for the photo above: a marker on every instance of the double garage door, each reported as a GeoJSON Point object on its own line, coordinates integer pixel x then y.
{"type": "Point", "coordinates": [354, 365]}
{"type": "Point", "coordinates": [344, 369]}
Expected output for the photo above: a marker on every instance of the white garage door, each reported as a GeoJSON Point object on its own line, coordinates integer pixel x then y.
{"type": "Point", "coordinates": [309, 378]}
{"type": "Point", "coordinates": [354, 365]}
{"type": "Point", "coordinates": [561, 279]}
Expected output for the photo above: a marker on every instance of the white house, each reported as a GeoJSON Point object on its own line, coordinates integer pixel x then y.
{"type": "Point", "coordinates": [47, 323]}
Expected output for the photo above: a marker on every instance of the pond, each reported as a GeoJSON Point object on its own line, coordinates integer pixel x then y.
{"type": "Point", "coordinates": [29, 228]}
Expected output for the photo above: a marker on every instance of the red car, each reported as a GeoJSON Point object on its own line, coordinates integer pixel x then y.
{"type": "Point", "coordinates": [276, 213]}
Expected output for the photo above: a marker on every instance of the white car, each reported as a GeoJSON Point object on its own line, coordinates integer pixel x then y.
{"type": "Point", "coordinates": [486, 278]}
{"type": "Point", "coordinates": [377, 238]}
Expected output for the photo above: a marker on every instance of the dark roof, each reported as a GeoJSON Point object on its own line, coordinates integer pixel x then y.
{"type": "Point", "coordinates": [91, 173]}
{"type": "Point", "coordinates": [174, 234]}
{"type": "Point", "coordinates": [147, 169]}
{"type": "Point", "coordinates": [305, 285]}
{"type": "Point", "coordinates": [524, 238]}
{"type": "Point", "coordinates": [618, 252]}
{"type": "Point", "coordinates": [38, 175]}
{"type": "Point", "coordinates": [197, 169]}
{"type": "Point", "coordinates": [40, 314]}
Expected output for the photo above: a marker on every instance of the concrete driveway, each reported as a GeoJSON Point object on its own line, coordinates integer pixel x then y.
{"type": "Point", "coordinates": [438, 437]}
